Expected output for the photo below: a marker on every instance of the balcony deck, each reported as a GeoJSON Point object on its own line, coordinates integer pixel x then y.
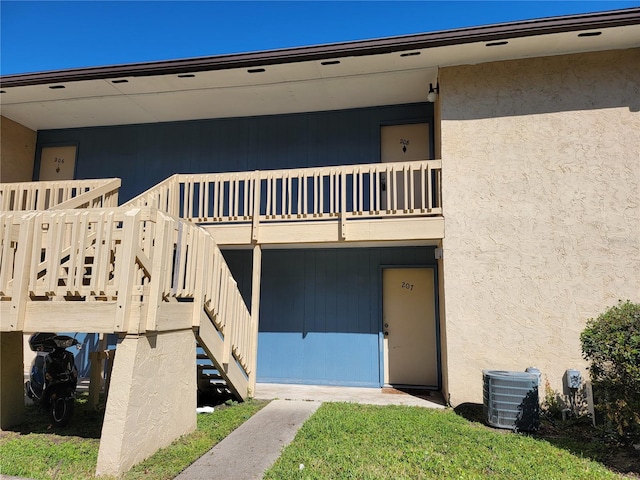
{"type": "Point", "coordinates": [349, 205]}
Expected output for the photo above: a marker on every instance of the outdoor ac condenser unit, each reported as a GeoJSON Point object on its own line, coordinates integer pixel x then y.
{"type": "Point", "coordinates": [511, 400]}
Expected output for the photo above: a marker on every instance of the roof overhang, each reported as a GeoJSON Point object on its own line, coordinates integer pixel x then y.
{"type": "Point", "coordinates": [325, 77]}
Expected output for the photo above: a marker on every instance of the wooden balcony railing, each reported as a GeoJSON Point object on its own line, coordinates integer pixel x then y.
{"type": "Point", "coordinates": [348, 192]}
{"type": "Point", "coordinates": [27, 196]}
{"type": "Point", "coordinates": [120, 267]}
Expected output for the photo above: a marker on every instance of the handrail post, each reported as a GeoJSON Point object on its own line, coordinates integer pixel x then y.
{"type": "Point", "coordinates": [6, 227]}
{"type": "Point", "coordinates": [158, 269]}
{"type": "Point", "coordinates": [203, 258]}
{"type": "Point", "coordinates": [343, 206]}
{"type": "Point", "coordinates": [24, 257]}
{"type": "Point", "coordinates": [228, 321]}
{"type": "Point", "coordinates": [257, 184]}
{"type": "Point", "coordinates": [125, 272]}
{"type": "Point", "coordinates": [175, 193]}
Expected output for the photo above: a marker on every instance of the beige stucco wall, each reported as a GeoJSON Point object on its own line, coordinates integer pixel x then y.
{"type": "Point", "coordinates": [152, 398]}
{"type": "Point", "coordinates": [541, 195]}
{"type": "Point", "coordinates": [17, 151]}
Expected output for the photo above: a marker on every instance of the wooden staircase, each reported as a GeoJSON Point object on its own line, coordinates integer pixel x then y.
{"type": "Point", "coordinates": [72, 260]}
{"type": "Point", "coordinates": [119, 270]}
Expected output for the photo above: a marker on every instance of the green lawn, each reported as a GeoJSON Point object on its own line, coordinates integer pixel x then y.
{"type": "Point", "coordinates": [340, 441]}
{"type": "Point", "coordinates": [393, 442]}
{"type": "Point", "coordinates": [35, 452]}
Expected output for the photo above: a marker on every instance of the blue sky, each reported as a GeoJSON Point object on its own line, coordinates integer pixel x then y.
{"type": "Point", "coordinates": [54, 35]}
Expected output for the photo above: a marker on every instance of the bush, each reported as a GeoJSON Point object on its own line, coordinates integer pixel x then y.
{"type": "Point", "coordinates": [611, 343]}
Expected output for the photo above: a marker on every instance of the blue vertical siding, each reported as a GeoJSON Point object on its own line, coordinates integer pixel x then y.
{"type": "Point", "coordinates": [320, 313]}
{"type": "Point", "coordinates": [143, 155]}
{"type": "Point", "coordinates": [320, 309]}
{"type": "Point", "coordinates": [90, 343]}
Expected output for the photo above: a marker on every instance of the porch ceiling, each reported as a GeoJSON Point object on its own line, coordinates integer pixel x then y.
{"type": "Point", "coordinates": [330, 77]}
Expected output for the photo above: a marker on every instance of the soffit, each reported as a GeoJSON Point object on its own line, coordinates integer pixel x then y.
{"type": "Point", "coordinates": [358, 80]}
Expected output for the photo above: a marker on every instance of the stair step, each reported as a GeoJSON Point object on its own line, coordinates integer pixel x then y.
{"type": "Point", "coordinates": [210, 382]}
{"type": "Point", "coordinates": [208, 370]}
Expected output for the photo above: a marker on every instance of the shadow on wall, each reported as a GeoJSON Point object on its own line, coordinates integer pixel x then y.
{"type": "Point", "coordinates": [565, 83]}
{"type": "Point", "coordinates": [320, 318]}
{"type": "Point", "coordinates": [322, 290]}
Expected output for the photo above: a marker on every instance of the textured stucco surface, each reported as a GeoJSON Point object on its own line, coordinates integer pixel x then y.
{"type": "Point", "coordinates": [11, 387]}
{"type": "Point", "coordinates": [541, 191]}
{"type": "Point", "coordinates": [17, 151]}
{"type": "Point", "coordinates": [152, 398]}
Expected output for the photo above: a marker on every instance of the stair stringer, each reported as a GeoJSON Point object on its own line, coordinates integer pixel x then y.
{"type": "Point", "coordinates": [212, 341]}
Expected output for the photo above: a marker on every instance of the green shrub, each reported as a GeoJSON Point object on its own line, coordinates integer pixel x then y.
{"type": "Point", "coordinates": [611, 343]}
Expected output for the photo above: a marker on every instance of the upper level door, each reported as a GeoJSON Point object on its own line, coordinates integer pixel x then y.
{"type": "Point", "coordinates": [402, 143]}
{"type": "Point", "coordinates": [57, 162]}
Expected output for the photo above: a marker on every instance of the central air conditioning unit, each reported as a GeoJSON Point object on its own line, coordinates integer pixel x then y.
{"type": "Point", "coordinates": [510, 400]}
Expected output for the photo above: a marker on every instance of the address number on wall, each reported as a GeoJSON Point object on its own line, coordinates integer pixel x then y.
{"type": "Point", "coordinates": [407, 285]}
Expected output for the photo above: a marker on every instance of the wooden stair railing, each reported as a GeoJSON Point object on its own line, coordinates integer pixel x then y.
{"type": "Point", "coordinates": [318, 193]}
{"type": "Point", "coordinates": [138, 270]}
{"type": "Point", "coordinates": [60, 195]}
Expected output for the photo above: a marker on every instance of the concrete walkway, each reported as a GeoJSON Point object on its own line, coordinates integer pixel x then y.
{"type": "Point", "coordinates": [370, 396]}
{"type": "Point", "coordinates": [253, 447]}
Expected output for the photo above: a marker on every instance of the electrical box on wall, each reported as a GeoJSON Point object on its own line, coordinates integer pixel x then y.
{"type": "Point", "coordinates": [573, 379]}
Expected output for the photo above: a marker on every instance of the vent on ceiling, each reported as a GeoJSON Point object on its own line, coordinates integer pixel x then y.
{"type": "Point", "coordinates": [496, 44]}
{"type": "Point", "coordinates": [589, 34]}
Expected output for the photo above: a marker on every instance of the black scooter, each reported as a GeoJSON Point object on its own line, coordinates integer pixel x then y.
{"type": "Point", "coordinates": [54, 376]}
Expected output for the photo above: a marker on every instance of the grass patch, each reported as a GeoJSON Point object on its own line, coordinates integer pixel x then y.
{"type": "Point", "coordinates": [212, 428]}
{"type": "Point", "coordinates": [372, 442]}
{"type": "Point", "coordinates": [34, 451]}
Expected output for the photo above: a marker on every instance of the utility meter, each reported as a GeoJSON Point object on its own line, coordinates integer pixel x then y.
{"type": "Point", "coordinates": [574, 379]}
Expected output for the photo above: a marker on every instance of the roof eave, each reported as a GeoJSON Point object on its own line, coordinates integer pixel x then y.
{"type": "Point", "coordinates": [487, 33]}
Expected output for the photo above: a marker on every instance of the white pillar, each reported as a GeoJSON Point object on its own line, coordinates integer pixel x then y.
{"type": "Point", "coordinates": [255, 314]}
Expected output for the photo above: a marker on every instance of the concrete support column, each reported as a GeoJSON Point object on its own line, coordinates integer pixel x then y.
{"type": "Point", "coordinates": [255, 314]}
{"type": "Point", "coordinates": [152, 398]}
{"type": "Point", "coordinates": [11, 379]}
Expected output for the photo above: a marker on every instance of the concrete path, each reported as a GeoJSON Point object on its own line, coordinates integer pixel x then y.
{"type": "Point", "coordinates": [370, 396]}
{"type": "Point", "coordinates": [253, 447]}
